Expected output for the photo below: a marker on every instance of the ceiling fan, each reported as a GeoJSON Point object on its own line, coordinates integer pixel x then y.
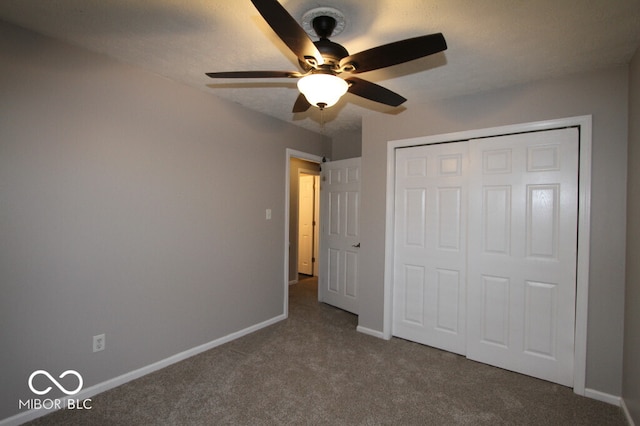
{"type": "Point", "coordinates": [323, 62]}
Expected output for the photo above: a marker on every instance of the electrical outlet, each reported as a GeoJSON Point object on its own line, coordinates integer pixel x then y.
{"type": "Point", "coordinates": [98, 343]}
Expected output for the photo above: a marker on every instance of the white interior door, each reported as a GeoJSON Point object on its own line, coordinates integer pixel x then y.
{"type": "Point", "coordinates": [523, 236]}
{"type": "Point", "coordinates": [340, 233]}
{"type": "Point", "coordinates": [430, 245]}
{"type": "Point", "coordinates": [506, 228]}
{"type": "Point", "coordinates": [306, 201]}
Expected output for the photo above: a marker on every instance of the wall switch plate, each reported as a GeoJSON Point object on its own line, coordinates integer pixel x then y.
{"type": "Point", "coordinates": [268, 214]}
{"type": "Point", "coordinates": [98, 342]}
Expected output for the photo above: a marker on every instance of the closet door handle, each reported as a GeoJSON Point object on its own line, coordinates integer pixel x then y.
{"type": "Point", "coordinates": [355, 245]}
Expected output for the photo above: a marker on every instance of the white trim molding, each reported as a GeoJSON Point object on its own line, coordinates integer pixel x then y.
{"type": "Point", "coordinates": [584, 123]}
{"type": "Point", "coordinates": [603, 397]}
{"type": "Point", "coordinates": [370, 332]}
{"type": "Point", "coordinates": [626, 412]}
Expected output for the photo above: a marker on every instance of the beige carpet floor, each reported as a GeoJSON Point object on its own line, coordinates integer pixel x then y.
{"type": "Point", "coordinates": [315, 369]}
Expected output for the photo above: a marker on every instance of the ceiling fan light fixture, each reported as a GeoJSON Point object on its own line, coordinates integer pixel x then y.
{"type": "Point", "coordinates": [323, 61]}
{"type": "Point", "coordinates": [322, 90]}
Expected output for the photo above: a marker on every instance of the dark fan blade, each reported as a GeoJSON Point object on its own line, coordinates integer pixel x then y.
{"type": "Point", "coordinates": [288, 30]}
{"type": "Point", "coordinates": [395, 53]}
{"type": "Point", "coordinates": [301, 104]}
{"type": "Point", "coordinates": [372, 91]}
{"type": "Point", "coordinates": [255, 74]}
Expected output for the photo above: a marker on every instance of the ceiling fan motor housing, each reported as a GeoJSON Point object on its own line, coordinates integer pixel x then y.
{"type": "Point", "coordinates": [331, 52]}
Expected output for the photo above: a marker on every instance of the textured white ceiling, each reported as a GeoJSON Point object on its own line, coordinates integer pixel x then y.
{"type": "Point", "coordinates": [492, 43]}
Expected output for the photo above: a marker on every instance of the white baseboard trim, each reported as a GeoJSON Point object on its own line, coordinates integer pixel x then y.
{"type": "Point", "coordinates": [370, 332]}
{"type": "Point", "coordinates": [626, 412]}
{"type": "Point", "coordinates": [601, 396]}
{"type": "Point", "coordinates": [89, 392]}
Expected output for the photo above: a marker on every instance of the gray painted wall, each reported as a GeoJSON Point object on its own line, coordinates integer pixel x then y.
{"type": "Point", "coordinates": [131, 206]}
{"type": "Point", "coordinates": [602, 94]}
{"type": "Point", "coordinates": [631, 371]}
{"type": "Point", "coordinates": [346, 145]}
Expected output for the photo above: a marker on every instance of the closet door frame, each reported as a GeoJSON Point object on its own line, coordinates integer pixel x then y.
{"type": "Point", "coordinates": [584, 124]}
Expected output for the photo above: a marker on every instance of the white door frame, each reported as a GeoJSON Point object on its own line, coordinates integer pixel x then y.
{"type": "Point", "coordinates": [291, 153]}
{"type": "Point", "coordinates": [584, 220]}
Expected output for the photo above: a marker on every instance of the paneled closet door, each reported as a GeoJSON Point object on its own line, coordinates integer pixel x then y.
{"type": "Point", "coordinates": [430, 245]}
{"type": "Point", "coordinates": [522, 249]}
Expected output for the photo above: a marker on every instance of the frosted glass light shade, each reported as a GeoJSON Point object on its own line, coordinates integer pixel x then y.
{"type": "Point", "coordinates": [322, 90]}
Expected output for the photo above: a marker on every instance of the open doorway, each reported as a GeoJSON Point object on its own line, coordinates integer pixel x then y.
{"type": "Point", "coordinates": [298, 169]}
{"type": "Point", "coordinates": [308, 222]}
{"type": "Point", "coordinates": [339, 229]}
{"type": "Point", "coordinates": [299, 164]}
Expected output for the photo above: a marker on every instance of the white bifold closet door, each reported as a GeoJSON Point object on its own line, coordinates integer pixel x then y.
{"type": "Point", "coordinates": [510, 222]}
{"type": "Point", "coordinates": [430, 245]}
{"type": "Point", "coordinates": [522, 274]}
